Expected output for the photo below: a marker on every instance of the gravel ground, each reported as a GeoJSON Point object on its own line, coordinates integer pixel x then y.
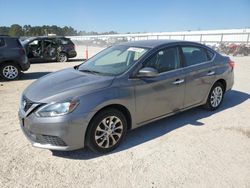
{"type": "Point", "coordinates": [195, 148]}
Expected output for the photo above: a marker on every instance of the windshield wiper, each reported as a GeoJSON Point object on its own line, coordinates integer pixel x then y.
{"type": "Point", "coordinates": [90, 71]}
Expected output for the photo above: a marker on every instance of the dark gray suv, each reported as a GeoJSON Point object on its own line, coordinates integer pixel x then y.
{"type": "Point", "coordinates": [121, 88]}
{"type": "Point", "coordinates": [13, 58]}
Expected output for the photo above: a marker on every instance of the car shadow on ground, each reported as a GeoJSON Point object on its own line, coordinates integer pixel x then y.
{"type": "Point", "coordinates": [32, 75]}
{"type": "Point", "coordinates": [27, 76]}
{"type": "Point", "coordinates": [153, 130]}
{"type": "Point", "coordinates": [76, 59]}
{"type": "Point", "coordinates": [70, 60]}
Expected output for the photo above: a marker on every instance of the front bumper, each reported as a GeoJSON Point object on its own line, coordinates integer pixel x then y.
{"type": "Point", "coordinates": [54, 133]}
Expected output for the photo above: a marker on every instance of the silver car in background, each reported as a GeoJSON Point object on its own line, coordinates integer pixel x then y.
{"type": "Point", "coordinates": [121, 88]}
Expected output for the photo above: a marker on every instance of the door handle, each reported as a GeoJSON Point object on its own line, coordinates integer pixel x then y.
{"type": "Point", "coordinates": [210, 73]}
{"type": "Point", "coordinates": [178, 81]}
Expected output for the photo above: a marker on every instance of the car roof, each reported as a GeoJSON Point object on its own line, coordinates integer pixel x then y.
{"type": "Point", "coordinates": [45, 37]}
{"type": "Point", "coordinates": [155, 43]}
{"type": "Point", "coordinates": [29, 39]}
{"type": "Point", "coordinates": [4, 35]}
{"type": "Point", "coordinates": [8, 37]}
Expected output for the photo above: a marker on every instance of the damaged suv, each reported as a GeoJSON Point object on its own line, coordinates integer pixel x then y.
{"type": "Point", "coordinates": [43, 49]}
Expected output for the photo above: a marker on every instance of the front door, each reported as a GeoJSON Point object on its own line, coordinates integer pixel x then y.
{"type": "Point", "coordinates": [164, 94]}
{"type": "Point", "coordinates": [35, 50]}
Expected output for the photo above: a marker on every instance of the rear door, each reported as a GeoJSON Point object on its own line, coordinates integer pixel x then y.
{"type": "Point", "coordinates": [163, 94]}
{"type": "Point", "coordinates": [66, 44]}
{"type": "Point", "coordinates": [199, 73]}
{"type": "Point", "coordinates": [50, 49]}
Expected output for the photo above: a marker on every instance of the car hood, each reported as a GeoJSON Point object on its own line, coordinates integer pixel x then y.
{"type": "Point", "coordinates": [65, 84]}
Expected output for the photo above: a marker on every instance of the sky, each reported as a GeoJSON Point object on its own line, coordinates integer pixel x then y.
{"type": "Point", "coordinates": [128, 15]}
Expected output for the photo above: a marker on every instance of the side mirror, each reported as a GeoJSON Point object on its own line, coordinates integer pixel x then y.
{"type": "Point", "coordinates": [147, 72]}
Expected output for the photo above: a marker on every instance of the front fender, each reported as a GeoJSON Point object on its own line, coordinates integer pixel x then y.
{"type": "Point", "coordinates": [94, 102]}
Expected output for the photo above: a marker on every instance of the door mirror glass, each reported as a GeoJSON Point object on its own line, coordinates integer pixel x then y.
{"type": "Point", "coordinates": [147, 72]}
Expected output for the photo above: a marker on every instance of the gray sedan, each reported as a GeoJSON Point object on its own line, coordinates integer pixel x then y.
{"type": "Point", "coordinates": [121, 88]}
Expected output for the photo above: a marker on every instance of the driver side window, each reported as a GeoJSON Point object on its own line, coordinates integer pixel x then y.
{"type": "Point", "coordinates": [164, 60]}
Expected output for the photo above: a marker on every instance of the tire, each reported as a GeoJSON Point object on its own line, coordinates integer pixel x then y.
{"type": "Point", "coordinates": [62, 57]}
{"type": "Point", "coordinates": [101, 139]}
{"type": "Point", "coordinates": [245, 53]}
{"type": "Point", "coordinates": [215, 97]}
{"type": "Point", "coordinates": [10, 71]}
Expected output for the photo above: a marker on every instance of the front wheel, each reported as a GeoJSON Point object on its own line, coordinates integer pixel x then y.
{"type": "Point", "coordinates": [106, 131]}
{"type": "Point", "coordinates": [215, 97]}
{"type": "Point", "coordinates": [10, 71]}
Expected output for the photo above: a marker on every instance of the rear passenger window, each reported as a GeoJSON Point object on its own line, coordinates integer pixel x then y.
{"type": "Point", "coordinates": [14, 42]}
{"type": "Point", "coordinates": [65, 41]}
{"type": "Point", "coordinates": [2, 43]}
{"type": "Point", "coordinates": [194, 55]}
{"type": "Point", "coordinates": [210, 55]}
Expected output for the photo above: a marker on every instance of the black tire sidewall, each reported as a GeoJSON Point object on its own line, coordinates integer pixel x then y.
{"type": "Point", "coordinates": [90, 135]}
{"type": "Point", "coordinates": [7, 64]}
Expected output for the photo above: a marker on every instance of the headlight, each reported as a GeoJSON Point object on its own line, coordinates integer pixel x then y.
{"type": "Point", "coordinates": [57, 109]}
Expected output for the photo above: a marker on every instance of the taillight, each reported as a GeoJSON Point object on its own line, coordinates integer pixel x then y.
{"type": "Point", "coordinates": [231, 63]}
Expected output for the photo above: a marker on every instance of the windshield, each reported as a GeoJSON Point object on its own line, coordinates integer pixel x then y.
{"type": "Point", "coordinates": [113, 61]}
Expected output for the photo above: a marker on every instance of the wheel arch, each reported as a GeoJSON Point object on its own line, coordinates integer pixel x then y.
{"type": "Point", "coordinates": [10, 61]}
{"type": "Point", "coordinates": [119, 107]}
{"type": "Point", "coordinates": [64, 52]}
{"type": "Point", "coordinates": [220, 80]}
{"type": "Point", "coordinates": [223, 82]}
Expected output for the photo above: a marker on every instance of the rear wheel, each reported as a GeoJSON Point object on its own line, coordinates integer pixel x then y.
{"type": "Point", "coordinates": [10, 71]}
{"type": "Point", "coordinates": [62, 57]}
{"type": "Point", "coordinates": [215, 97]}
{"type": "Point", "coordinates": [246, 53]}
{"type": "Point", "coordinates": [106, 131]}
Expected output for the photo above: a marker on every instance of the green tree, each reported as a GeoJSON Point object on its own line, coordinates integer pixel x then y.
{"type": "Point", "coordinates": [28, 30]}
{"type": "Point", "coordinates": [16, 30]}
{"type": "Point", "coordinates": [4, 30]}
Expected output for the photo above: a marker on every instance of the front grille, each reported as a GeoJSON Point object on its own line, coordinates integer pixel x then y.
{"type": "Point", "coordinates": [28, 103]}
{"type": "Point", "coordinates": [29, 106]}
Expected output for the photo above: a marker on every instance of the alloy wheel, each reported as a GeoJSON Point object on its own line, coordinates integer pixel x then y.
{"type": "Point", "coordinates": [108, 132]}
{"type": "Point", "coordinates": [62, 57]}
{"type": "Point", "coordinates": [216, 96]}
{"type": "Point", "coordinates": [10, 72]}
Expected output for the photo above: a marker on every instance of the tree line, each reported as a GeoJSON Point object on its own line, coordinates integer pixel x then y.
{"type": "Point", "coordinates": [28, 30]}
